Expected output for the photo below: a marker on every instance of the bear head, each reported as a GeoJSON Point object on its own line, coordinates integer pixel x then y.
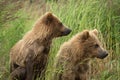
{"type": "Point", "coordinates": [50, 25]}
{"type": "Point", "coordinates": [92, 47]}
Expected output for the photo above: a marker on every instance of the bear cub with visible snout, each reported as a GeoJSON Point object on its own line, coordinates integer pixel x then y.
{"type": "Point", "coordinates": [72, 60]}
{"type": "Point", "coordinates": [28, 57]}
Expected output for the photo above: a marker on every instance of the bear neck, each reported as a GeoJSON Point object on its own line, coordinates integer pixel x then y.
{"type": "Point", "coordinates": [41, 37]}
{"type": "Point", "coordinates": [80, 59]}
{"type": "Point", "coordinates": [78, 52]}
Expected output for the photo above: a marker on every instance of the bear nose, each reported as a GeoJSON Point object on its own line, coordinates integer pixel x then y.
{"type": "Point", "coordinates": [103, 55]}
{"type": "Point", "coordinates": [106, 53]}
{"type": "Point", "coordinates": [67, 31]}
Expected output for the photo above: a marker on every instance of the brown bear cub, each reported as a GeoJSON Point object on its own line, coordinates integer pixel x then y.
{"type": "Point", "coordinates": [28, 57]}
{"type": "Point", "coordinates": [72, 60]}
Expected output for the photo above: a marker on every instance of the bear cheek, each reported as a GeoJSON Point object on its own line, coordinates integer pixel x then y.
{"type": "Point", "coordinates": [94, 55]}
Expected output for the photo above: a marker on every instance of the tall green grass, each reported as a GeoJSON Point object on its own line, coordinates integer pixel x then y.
{"type": "Point", "coordinates": [89, 14]}
{"type": "Point", "coordinates": [77, 15]}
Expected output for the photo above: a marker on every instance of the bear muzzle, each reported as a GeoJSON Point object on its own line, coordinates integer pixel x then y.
{"type": "Point", "coordinates": [66, 32]}
{"type": "Point", "coordinates": [102, 55]}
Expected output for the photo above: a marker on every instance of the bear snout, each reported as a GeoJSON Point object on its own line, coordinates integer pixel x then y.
{"type": "Point", "coordinates": [66, 32]}
{"type": "Point", "coordinates": [102, 55]}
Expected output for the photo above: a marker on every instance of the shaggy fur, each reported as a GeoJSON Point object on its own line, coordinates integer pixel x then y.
{"type": "Point", "coordinates": [72, 61]}
{"type": "Point", "coordinates": [28, 57]}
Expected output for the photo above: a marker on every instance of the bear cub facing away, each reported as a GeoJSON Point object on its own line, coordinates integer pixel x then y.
{"type": "Point", "coordinates": [28, 57]}
{"type": "Point", "coordinates": [72, 60]}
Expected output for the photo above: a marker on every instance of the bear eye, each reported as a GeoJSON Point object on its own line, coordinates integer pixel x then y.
{"type": "Point", "coordinates": [96, 45]}
{"type": "Point", "coordinates": [60, 24]}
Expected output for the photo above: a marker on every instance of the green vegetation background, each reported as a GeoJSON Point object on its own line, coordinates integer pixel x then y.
{"type": "Point", "coordinates": [18, 16]}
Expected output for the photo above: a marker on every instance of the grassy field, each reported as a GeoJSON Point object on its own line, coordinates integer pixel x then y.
{"type": "Point", "coordinates": [17, 17]}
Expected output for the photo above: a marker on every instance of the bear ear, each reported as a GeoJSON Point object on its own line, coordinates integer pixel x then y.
{"type": "Point", "coordinates": [48, 18]}
{"type": "Point", "coordinates": [85, 35]}
{"type": "Point", "coordinates": [95, 31]}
